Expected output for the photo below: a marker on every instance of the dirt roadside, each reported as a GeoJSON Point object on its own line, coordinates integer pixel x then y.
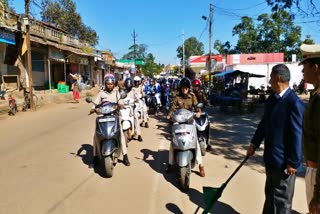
{"type": "Point", "coordinates": [45, 98]}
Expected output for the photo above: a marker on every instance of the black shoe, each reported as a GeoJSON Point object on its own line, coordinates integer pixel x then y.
{"type": "Point", "coordinates": [169, 168]}
{"type": "Point", "coordinates": [209, 148]}
{"type": "Point", "coordinates": [146, 125]}
{"type": "Point", "coordinates": [139, 138]}
{"type": "Point", "coordinates": [126, 160]}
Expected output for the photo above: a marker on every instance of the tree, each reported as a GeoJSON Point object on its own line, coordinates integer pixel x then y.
{"type": "Point", "coordinates": [273, 33]}
{"type": "Point", "coordinates": [306, 7]}
{"type": "Point", "coordinates": [248, 36]}
{"type": "Point", "coordinates": [223, 49]}
{"type": "Point", "coordinates": [62, 14]}
{"type": "Point", "coordinates": [150, 68]}
{"type": "Point", "coordinates": [141, 52]}
{"type": "Point", "coordinates": [192, 47]}
{"type": "Point", "coordinates": [308, 40]}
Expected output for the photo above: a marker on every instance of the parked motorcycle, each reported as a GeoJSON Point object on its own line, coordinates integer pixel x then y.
{"type": "Point", "coordinates": [203, 126]}
{"type": "Point", "coordinates": [107, 132]}
{"type": "Point", "coordinates": [184, 143]}
{"type": "Point", "coordinates": [127, 119]}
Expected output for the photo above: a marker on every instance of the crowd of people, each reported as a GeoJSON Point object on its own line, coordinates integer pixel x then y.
{"type": "Point", "coordinates": [288, 128]}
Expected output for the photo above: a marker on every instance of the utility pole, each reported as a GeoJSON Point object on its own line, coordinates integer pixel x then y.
{"type": "Point", "coordinates": [210, 38]}
{"type": "Point", "coordinates": [134, 35]}
{"type": "Point", "coordinates": [27, 6]}
{"type": "Point", "coordinates": [183, 56]}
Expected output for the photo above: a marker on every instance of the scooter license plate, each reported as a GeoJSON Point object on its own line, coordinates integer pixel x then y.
{"type": "Point", "coordinates": [107, 119]}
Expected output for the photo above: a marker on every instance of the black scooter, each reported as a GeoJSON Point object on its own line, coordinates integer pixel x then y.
{"type": "Point", "coordinates": [107, 135]}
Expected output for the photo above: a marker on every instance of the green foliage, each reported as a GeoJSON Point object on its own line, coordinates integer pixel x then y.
{"type": "Point", "coordinates": [140, 52]}
{"type": "Point", "coordinates": [306, 7]}
{"type": "Point", "coordinates": [223, 48]}
{"type": "Point", "coordinates": [248, 36]}
{"type": "Point", "coordinates": [63, 14]}
{"type": "Point", "coordinates": [192, 47]}
{"type": "Point", "coordinates": [274, 32]}
{"type": "Point", "coordinates": [151, 68]}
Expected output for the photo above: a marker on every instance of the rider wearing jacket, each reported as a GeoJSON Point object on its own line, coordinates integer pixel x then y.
{"type": "Point", "coordinates": [185, 100]}
{"type": "Point", "coordinates": [111, 95]}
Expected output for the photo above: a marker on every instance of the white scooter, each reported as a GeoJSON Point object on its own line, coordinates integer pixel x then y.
{"type": "Point", "coordinates": [184, 143]}
{"type": "Point", "coordinates": [203, 126]}
{"type": "Point", "coordinates": [127, 119]}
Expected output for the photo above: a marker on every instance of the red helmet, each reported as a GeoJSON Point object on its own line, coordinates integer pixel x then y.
{"type": "Point", "coordinates": [196, 82]}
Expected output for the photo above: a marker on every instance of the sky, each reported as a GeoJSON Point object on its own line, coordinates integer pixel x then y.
{"type": "Point", "coordinates": [163, 24]}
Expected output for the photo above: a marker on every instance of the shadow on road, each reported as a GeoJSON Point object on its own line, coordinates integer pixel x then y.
{"type": "Point", "coordinates": [157, 161]}
{"type": "Point", "coordinates": [87, 157]}
{"type": "Point", "coordinates": [232, 134]}
{"type": "Point", "coordinates": [173, 208]}
{"type": "Point", "coordinates": [219, 207]}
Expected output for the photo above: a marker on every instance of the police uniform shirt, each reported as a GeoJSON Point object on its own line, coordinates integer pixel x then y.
{"type": "Point", "coordinates": [104, 96]}
{"type": "Point", "coordinates": [183, 101]}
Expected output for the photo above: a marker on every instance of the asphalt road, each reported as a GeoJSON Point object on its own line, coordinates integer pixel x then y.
{"type": "Point", "coordinates": [41, 173]}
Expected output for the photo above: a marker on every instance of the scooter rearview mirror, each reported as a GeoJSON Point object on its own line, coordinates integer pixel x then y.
{"type": "Point", "coordinates": [199, 105]}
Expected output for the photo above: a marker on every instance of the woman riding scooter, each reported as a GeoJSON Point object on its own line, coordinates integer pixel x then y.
{"type": "Point", "coordinates": [202, 98]}
{"type": "Point", "coordinates": [128, 85]}
{"type": "Point", "coordinates": [111, 95]}
{"type": "Point", "coordinates": [185, 100]}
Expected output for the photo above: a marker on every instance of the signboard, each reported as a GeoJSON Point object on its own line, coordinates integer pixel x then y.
{"type": "Point", "coordinates": [131, 61]}
{"type": "Point", "coordinates": [202, 60]}
{"type": "Point", "coordinates": [55, 54]}
{"type": "Point", "coordinates": [7, 37]}
{"type": "Point", "coordinates": [254, 58]}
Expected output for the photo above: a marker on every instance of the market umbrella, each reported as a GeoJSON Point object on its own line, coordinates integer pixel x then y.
{"type": "Point", "coordinates": [211, 194]}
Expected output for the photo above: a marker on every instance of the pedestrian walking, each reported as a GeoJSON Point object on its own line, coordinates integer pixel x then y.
{"type": "Point", "coordinates": [75, 87]}
{"type": "Point", "coordinates": [311, 125]}
{"type": "Point", "coordinates": [281, 130]}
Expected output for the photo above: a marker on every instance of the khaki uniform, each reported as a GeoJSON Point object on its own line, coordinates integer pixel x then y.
{"type": "Point", "coordinates": [120, 85]}
{"type": "Point", "coordinates": [132, 94]}
{"type": "Point", "coordinates": [311, 140]}
{"type": "Point", "coordinates": [113, 97]}
{"type": "Point", "coordinates": [201, 97]}
{"type": "Point", "coordinates": [185, 101]}
{"type": "Point", "coordinates": [141, 94]}
{"type": "Point", "coordinates": [173, 94]}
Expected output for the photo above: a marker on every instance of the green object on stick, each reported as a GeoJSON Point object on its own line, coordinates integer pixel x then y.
{"type": "Point", "coordinates": [211, 194]}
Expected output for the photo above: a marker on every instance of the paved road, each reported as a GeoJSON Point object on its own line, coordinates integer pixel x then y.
{"type": "Point", "coordinates": [40, 173]}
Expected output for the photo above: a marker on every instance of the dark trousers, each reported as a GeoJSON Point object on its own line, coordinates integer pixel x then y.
{"type": "Point", "coordinates": [2, 93]}
{"type": "Point", "coordinates": [279, 191]}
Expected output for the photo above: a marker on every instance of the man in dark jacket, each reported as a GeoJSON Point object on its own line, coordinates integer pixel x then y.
{"type": "Point", "coordinates": [281, 130]}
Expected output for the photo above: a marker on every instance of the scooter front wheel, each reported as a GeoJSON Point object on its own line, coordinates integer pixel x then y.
{"type": "Point", "coordinates": [184, 177]}
{"type": "Point", "coordinates": [108, 164]}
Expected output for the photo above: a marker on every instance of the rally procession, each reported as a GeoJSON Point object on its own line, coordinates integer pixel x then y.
{"type": "Point", "coordinates": [131, 107]}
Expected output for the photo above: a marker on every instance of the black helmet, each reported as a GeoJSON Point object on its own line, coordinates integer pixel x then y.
{"type": "Point", "coordinates": [128, 84]}
{"type": "Point", "coordinates": [184, 82]}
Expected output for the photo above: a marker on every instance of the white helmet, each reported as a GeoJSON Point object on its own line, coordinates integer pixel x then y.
{"type": "Point", "coordinates": [137, 78]}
